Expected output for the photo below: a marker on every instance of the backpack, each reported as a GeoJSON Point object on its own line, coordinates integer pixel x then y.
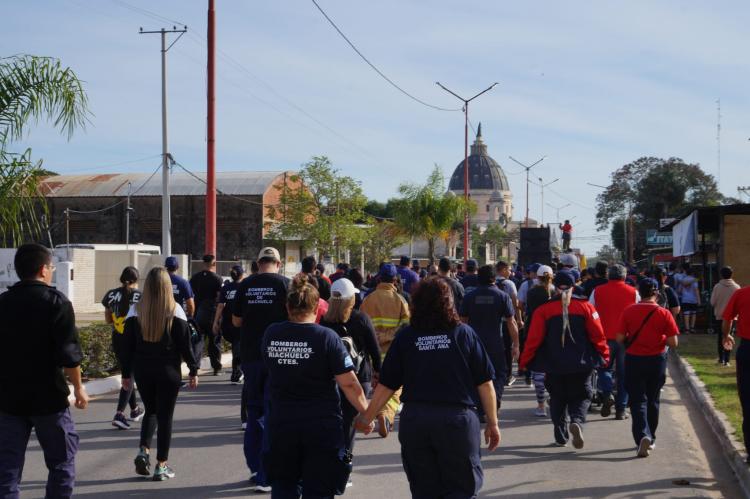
{"type": "Point", "coordinates": [351, 347]}
{"type": "Point", "coordinates": [661, 298]}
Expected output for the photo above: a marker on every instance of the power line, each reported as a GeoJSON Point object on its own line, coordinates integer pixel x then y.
{"type": "Point", "coordinates": [382, 75]}
{"type": "Point", "coordinates": [111, 165]}
{"type": "Point", "coordinates": [148, 13]}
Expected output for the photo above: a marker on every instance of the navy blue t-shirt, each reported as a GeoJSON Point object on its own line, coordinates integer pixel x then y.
{"type": "Point", "coordinates": [439, 367]}
{"type": "Point", "coordinates": [486, 307]}
{"type": "Point", "coordinates": [469, 282]}
{"type": "Point", "coordinates": [226, 296]}
{"type": "Point", "coordinates": [260, 301]}
{"type": "Point", "coordinates": [181, 290]}
{"type": "Point", "coordinates": [302, 361]}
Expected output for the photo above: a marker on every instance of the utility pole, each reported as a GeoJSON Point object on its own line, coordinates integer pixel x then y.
{"type": "Point", "coordinates": [528, 169]}
{"type": "Point", "coordinates": [467, 196]}
{"type": "Point", "coordinates": [166, 215]}
{"type": "Point", "coordinates": [128, 209]}
{"type": "Point", "coordinates": [210, 133]}
{"type": "Point", "coordinates": [543, 185]}
{"type": "Point", "coordinates": [743, 190]}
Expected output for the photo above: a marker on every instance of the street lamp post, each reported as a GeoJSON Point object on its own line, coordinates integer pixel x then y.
{"type": "Point", "coordinates": [543, 185]}
{"type": "Point", "coordinates": [466, 159]}
{"type": "Point", "coordinates": [528, 169]}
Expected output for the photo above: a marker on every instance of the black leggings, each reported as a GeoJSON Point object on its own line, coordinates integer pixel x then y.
{"type": "Point", "coordinates": [158, 386]}
{"type": "Point", "coordinates": [127, 397]}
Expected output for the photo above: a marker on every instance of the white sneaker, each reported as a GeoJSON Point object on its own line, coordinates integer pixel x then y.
{"type": "Point", "coordinates": [576, 432]}
{"type": "Point", "coordinates": [262, 489]}
{"type": "Point", "coordinates": [244, 427]}
{"type": "Point", "coordinates": [540, 412]}
{"type": "Point", "coordinates": [349, 484]}
{"type": "Point", "coordinates": [644, 448]}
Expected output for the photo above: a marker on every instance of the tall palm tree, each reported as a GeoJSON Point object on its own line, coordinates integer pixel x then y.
{"type": "Point", "coordinates": [31, 88]}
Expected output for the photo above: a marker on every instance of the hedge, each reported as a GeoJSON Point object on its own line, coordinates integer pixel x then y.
{"type": "Point", "coordinates": [99, 360]}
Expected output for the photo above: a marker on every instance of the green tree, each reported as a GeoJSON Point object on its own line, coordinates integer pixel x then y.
{"type": "Point", "coordinates": [31, 88]}
{"type": "Point", "coordinates": [322, 208]}
{"type": "Point", "coordinates": [428, 210]}
{"type": "Point", "coordinates": [649, 189]}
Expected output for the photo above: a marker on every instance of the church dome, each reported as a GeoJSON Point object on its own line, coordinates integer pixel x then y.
{"type": "Point", "coordinates": [484, 172]}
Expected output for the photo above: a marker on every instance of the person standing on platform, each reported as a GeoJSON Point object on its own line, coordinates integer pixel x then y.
{"type": "Point", "coordinates": [566, 342]}
{"type": "Point", "coordinates": [441, 364]}
{"type": "Point", "coordinates": [206, 285]}
{"type": "Point", "coordinates": [567, 234]}
{"type": "Point", "coordinates": [117, 303]}
{"type": "Point", "coordinates": [645, 330]}
{"type": "Point", "coordinates": [260, 302]}
{"type": "Point", "coordinates": [38, 321]}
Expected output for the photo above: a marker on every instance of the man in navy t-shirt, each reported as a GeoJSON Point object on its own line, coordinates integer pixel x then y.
{"type": "Point", "coordinates": [485, 309]}
{"type": "Point", "coordinates": [183, 293]}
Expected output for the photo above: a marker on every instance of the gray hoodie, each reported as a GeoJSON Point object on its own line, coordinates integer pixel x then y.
{"type": "Point", "coordinates": [721, 294]}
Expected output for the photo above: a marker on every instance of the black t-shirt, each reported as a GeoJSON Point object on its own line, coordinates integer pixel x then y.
{"type": "Point", "coordinates": [486, 307]}
{"type": "Point", "coordinates": [302, 361]}
{"type": "Point", "coordinates": [441, 367]}
{"type": "Point", "coordinates": [324, 288]}
{"type": "Point", "coordinates": [260, 301]}
{"type": "Point", "coordinates": [668, 298]}
{"type": "Point", "coordinates": [119, 301]}
{"type": "Point", "coordinates": [457, 289]}
{"type": "Point", "coordinates": [227, 296]}
{"type": "Point", "coordinates": [536, 297]}
{"type": "Point", "coordinates": [206, 286]}
{"type": "Point", "coordinates": [39, 338]}
{"type": "Point", "coordinates": [360, 328]}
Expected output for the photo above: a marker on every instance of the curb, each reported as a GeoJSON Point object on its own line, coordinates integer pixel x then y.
{"type": "Point", "coordinates": [733, 451]}
{"type": "Point", "coordinates": [103, 386]}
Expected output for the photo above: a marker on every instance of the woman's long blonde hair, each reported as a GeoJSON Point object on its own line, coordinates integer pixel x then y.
{"type": "Point", "coordinates": [339, 309]}
{"type": "Point", "coordinates": [156, 306]}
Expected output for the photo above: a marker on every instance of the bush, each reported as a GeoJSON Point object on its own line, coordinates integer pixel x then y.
{"type": "Point", "coordinates": [98, 358]}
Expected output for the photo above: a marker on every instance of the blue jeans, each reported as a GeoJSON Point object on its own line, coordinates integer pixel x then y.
{"type": "Point", "coordinates": [59, 441]}
{"type": "Point", "coordinates": [616, 369]}
{"type": "Point", "coordinates": [253, 392]}
{"type": "Point", "coordinates": [645, 376]}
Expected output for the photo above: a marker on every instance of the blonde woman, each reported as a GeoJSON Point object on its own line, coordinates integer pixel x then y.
{"type": "Point", "coordinates": [355, 325]}
{"type": "Point", "coordinates": [157, 340]}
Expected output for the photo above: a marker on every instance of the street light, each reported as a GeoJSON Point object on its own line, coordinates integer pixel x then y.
{"type": "Point", "coordinates": [528, 169]}
{"type": "Point", "coordinates": [558, 208]}
{"type": "Point", "coordinates": [543, 185]}
{"type": "Point", "coordinates": [466, 158]}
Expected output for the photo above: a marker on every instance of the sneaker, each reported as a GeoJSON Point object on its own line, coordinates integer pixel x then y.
{"type": "Point", "coordinates": [349, 484]}
{"type": "Point", "coordinates": [607, 406]}
{"type": "Point", "coordinates": [621, 415]}
{"type": "Point", "coordinates": [162, 473]}
{"type": "Point", "coordinates": [560, 444]}
{"type": "Point", "coordinates": [383, 426]}
{"type": "Point", "coordinates": [644, 447]}
{"type": "Point", "coordinates": [142, 463]}
{"type": "Point", "coordinates": [577, 433]}
{"type": "Point", "coordinates": [262, 489]}
{"type": "Point", "coordinates": [235, 378]}
{"type": "Point", "coordinates": [540, 412]}
{"type": "Point", "coordinates": [120, 421]}
{"type": "Point", "coordinates": [217, 371]}
{"type": "Point", "coordinates": [527, 379]}
{"type": "Point", "coordinates": [244, 427]}
{"type": "Point", "coordinates": [137, 414]}
{"type": "Point", "coordinates": [653, 445]}
{"type": "Point", "coordinates": [510, 381]}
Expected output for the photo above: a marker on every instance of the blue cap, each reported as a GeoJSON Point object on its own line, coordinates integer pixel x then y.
{"type": "Point", "coordinates": [564, 278]}
{"type": "Point", "coordinates": [471, 264]}
{"type": "Point", "coordinates": [238, 269]}
{"type": "Point", "coordinates": [533, 267]}
{"type": "Point", "coordinates": [171, 263]}
{"type": "Point", "coordinates": [388, 270]}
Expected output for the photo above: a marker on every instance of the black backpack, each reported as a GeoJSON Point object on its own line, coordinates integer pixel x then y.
{"type": "Point", "coordinates": [351, 347]}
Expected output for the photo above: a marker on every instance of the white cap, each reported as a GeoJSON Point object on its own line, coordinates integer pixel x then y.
{"type": "Point", "coordinates": [544, 269]}
{"type": "Point", "coordinates": [569, 259]}
{"type": "Point", "coordinates": [344, 288]}
{"type": "Point", "coordinates": [269, 253]}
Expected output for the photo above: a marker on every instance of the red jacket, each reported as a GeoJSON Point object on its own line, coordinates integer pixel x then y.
{"type": "Point", "coordinates": [610, 300]}
{"type": "Point", "coordinates": [552, 351]}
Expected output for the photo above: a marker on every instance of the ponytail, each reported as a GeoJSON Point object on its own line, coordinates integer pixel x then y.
{"type": "Point", "coordinates": [565, 296]}
{"type": "Point", "coordinates": [302, 298]}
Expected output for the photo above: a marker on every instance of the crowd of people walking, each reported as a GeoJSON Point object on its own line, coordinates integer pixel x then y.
{"type": "Point", "coordinates": [322, 356]}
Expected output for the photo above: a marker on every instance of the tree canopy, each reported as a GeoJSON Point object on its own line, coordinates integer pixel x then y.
{"type": "Point", "coordinates": [31, 88]}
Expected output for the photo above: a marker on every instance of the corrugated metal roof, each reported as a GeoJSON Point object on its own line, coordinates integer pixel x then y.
{"type": "Point", "coordinates": [181, 184]}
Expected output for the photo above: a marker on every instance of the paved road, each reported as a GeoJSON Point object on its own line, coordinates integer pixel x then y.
{"type": "Point", "coordinates": [207, 455]}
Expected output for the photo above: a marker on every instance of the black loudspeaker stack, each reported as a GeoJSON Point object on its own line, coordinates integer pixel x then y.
{"type": "Point", "coordinates": [535, 246]}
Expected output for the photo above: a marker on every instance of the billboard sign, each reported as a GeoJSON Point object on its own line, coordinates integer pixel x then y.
{"type": "Point", "coordinates": [656, 238]}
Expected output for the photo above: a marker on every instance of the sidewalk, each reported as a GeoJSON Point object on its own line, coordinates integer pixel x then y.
{"type": "Point", "coordinates": [103, 386]}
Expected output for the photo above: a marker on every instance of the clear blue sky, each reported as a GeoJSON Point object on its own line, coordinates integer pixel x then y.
{"type": "Point", "coordinates": [592, 85]}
